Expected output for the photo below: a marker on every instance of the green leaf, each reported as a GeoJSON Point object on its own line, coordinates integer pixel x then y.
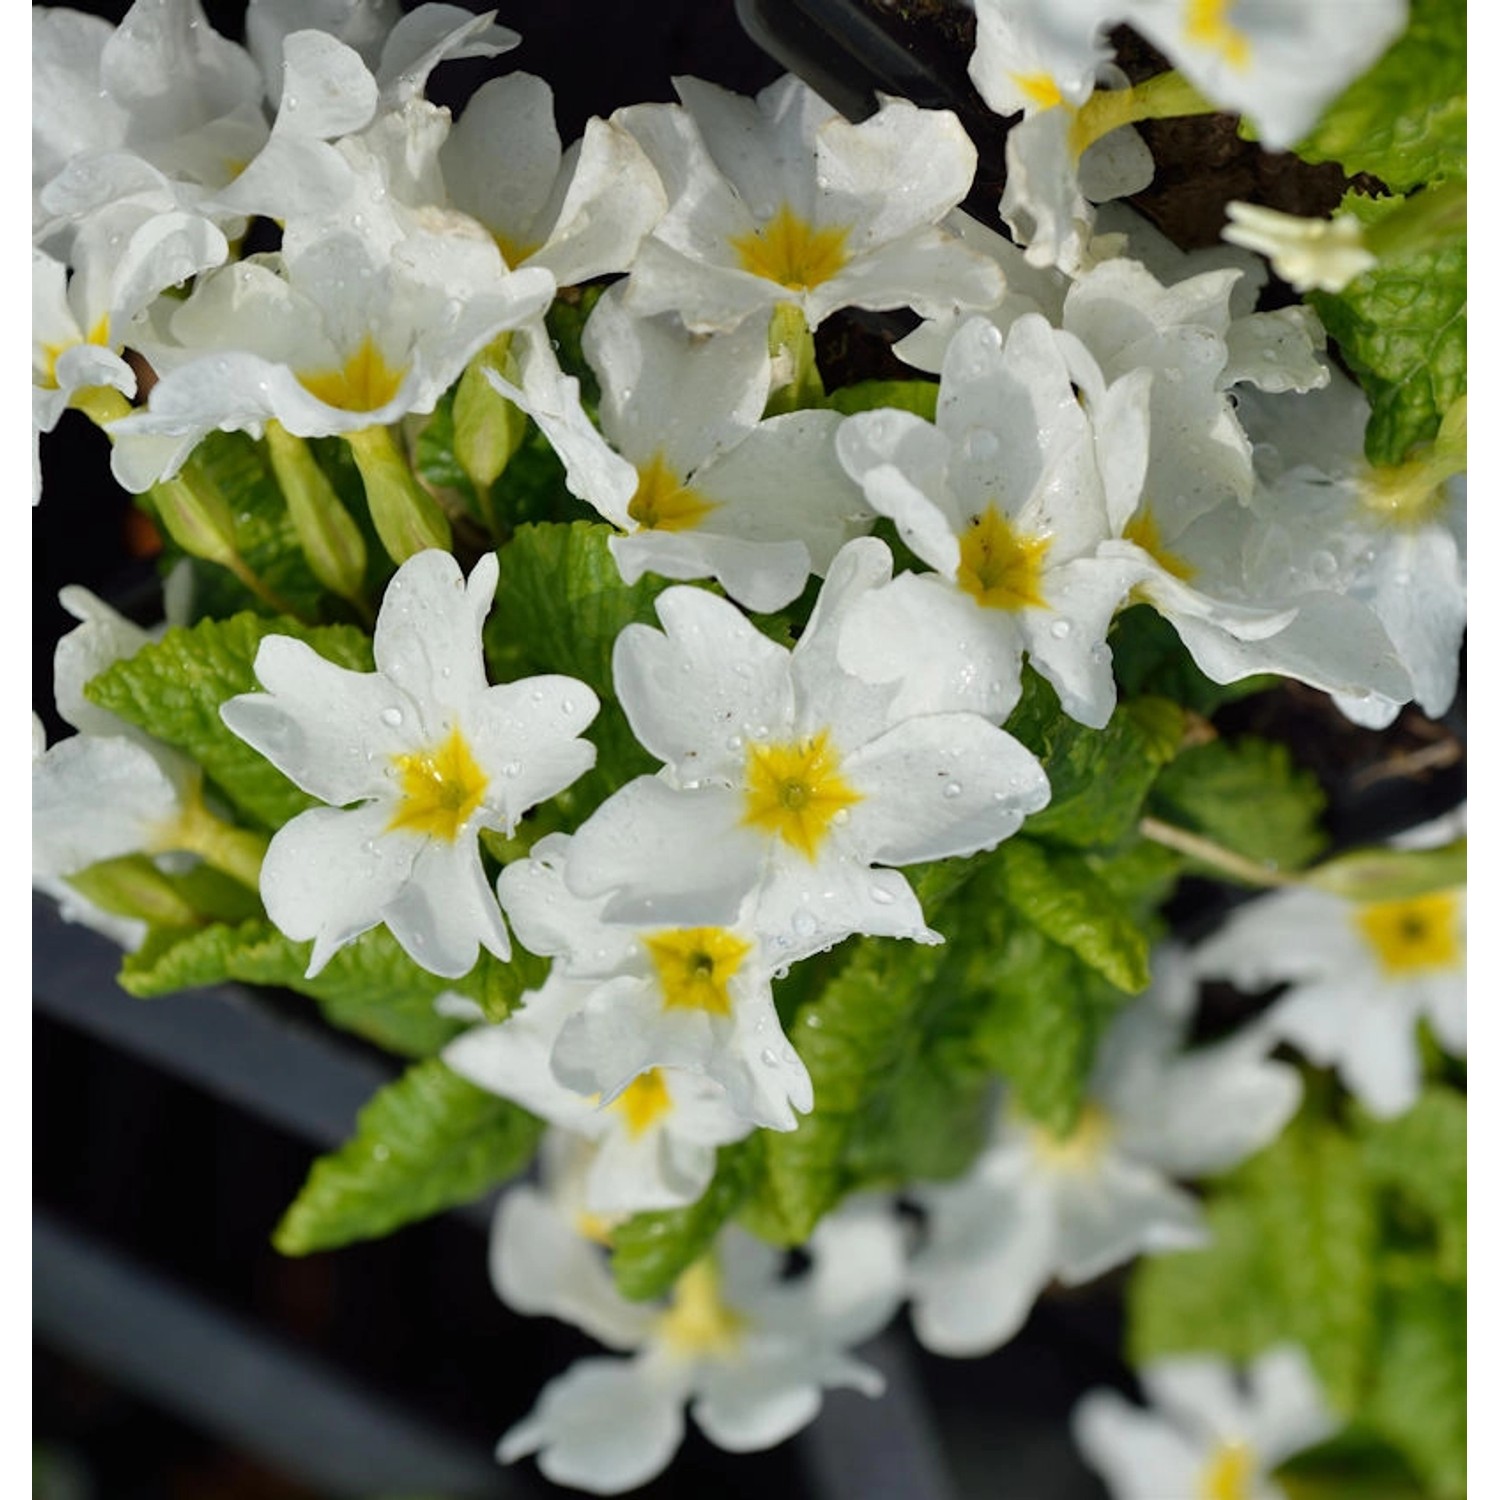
{"type": "Point", "coordinates": [1248, 795]}
{"type": "Point", "coordinates": [1406, 120]}
{"type": "Point", "coordinates": [1402, 328]}
{"type": "Point", "coordinates": [173, 688]}
{"type": "Point", "coordinates": [650, 1250]}
{"type": "Point", "coordinates": [1149, 657]}
{"type": "Point", "coordinates": [852, 1038]}
{"type": "Point", "coordinates": [1420, 1385]}
{"type": "Point", "coordinates": [1293, 1257]}
{"type": "Point", "coordinates": [435, 461]}
{"type": "Point", "coordinates": [1355, 1464]}
{"type": "Point", "coordinates": [917, 396]}
{"type": "Point", "coordinates": [1047, 1011]}
{"type": "Point", "coordinates": [1421, 1157]}
{"type": "Point", "coordinates": [369, 987]}
{"type": "Point", "coordinates": [1099, 776]}
{"type": "Point", "coordinates": [1060, 895]}
{"type": "Point", "coordinates": [427, 1142]}
{"type": "Point", "coordinates": [263, 533]}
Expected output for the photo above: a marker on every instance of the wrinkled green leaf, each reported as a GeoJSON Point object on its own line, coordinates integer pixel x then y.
{"type": "Point", "coordinates": [852, 1038]}
{"type": "Point", "coordinates": [1421, 1156]}
{"type": "Point", "coordinates": [369, 987]}
{"type": "Point", "coordinates": [173, 688]}
{"type": "Point", "coordinates": [1420, 1384]}
{"type": "Point", "coordinates": [1099, 777]}
{"type": "Point", "coordinates": [1248, 795]}
{"type": "Point", "coordinates": [1058, 893]}
{"type": "Point", "coordinates": [427, 1142]}
{"type": "Point", "coordinates": [1406, 120]}
{"type": "Point", "coordinates": [651, 1250]}
{"type": "Point", "coordinates": [1402, 328]}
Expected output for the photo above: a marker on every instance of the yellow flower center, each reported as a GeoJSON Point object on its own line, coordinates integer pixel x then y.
{"type": "Point", "coordinates": [512, 251]}
{"type": "Point", "coordinates": [699, 1321]}
{"type": "Point", "coordinates": [999, 567]}
{"type": "Point", "coordinates": [661, 501]}
{"type": "Point", "coordinates": [1421, 932]}
{"type": "Point", "coordinates": [794, 791]}
{"type": "Point", "coordinates": [1207, 25]}
{"type": "Point", "coordinates": [364, 383]}
{"type": "Point", "coordinates": [644, 1102]}
{"type": "Point", "coordinates": [695, 965]}
{"type": "Point", "coordinates": [596, 1227]}
{"type": "Point", "coordinates": [51, 353]}
{"type": "Point", "coordinates": [1146, 534]}
{"type": "Point", "coordinates": [1229, 1474]}
{"type": "Point", "coordinates": [1080, 1151]}
{"type": "Point", "coordinates": [788, 250]}
{"type": "Point", "coordinates": [440, 788]}
{"type": "Point", "coordinates": [1040, 88]}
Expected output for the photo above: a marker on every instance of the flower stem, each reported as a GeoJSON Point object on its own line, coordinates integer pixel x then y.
{"type": "Point", "coordinates": [1167, 96]}
{"type": "Point", "coordinates": [1236, 866]}
{"type": "Point", "coordinates": [237, 852]}
{"type": "Point", "coordinates": [407, 519]}
{"type": "Point", "coordinates": [791, 341]}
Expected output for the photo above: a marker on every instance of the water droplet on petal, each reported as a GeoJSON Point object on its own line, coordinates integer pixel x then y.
{"type": "Point", "coordinates": [952, 790]}
{"type": "Point", "coordinates": [804, 924]}
{"type": "Point", "coordinates": [511, 768]}
{"type": "Point", "coordinates": [391, 716]}
{"type": "Point", "coordinates": [880, 896]}
{"type": "Point", "coordinates": [1061, 629]}
{"type": "Point", "coordinates": [768, 1057]}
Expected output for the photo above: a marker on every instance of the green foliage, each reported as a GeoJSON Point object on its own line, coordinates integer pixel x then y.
{"type": "Point", "coordinates": [1420, 1385]}
{"type": "Point", "coordinates": [1058, 893]}
{"type": "Point", "coordinates": [651, 1250]}
{"type": "Point", "coordinates": [559, 606]}
{"type": "Point", "coordinates": [1293, 1257]}
{"type": "Point", "coordinates": [852, 1038]}
{"type": "Point", "coordinates": [369, 987]}
{"type": "Point", "coordinates": [1406, 120]}
{"type": "Point", "coordinates": [1248, 795]}
{"type": "Point", "coordinates": [263, 533]}
{"type": "Point", "coordinates": [1149, 657]}
{"type": "Point", "coordinates": [427, 1142]}
{"type": "Point", "coordinates": [1099, 777]}
{"type": "Point", "coordinates": [1402, 328]}
{"type": "Point", "coordinates": [434, 459]}
{"type": "Point", "coordinates": [1420, 1158]}
{"type": "Point", "coordinates": [917, 396]}
{"type": "Point", "coordinates": [173, 689]}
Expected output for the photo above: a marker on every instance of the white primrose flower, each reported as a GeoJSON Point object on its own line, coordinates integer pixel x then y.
{"type": "Point", "coordinates": [693, 998]}
{"type": "Point", "coordinates": [717, 492]}
{"type": "Point", "coordinates": [1277, 64]}
{"type": "Point", "coordinates": [1055, 173]}
{"type": "Point", "coordinates": [580, 213]}
{"type": "Point", "coordinates": [163, 88]}
{"type": "Point", "coordinates": [777, 199]}
{"type": "Point", "coordinates": [750, 1351]}
{"type": "Point", "coordinates": [1361, 976]}
{"type": "Point", "coordinates": [336, 339]}
{"type": "Point", "coordinates": [1209, 1436]}
{"type": "Point", "coordinates": [1032, 54]}
{"type": "Point", "coordinates": [428, 752]}
{"type": "Point", "coordinates": [1393, 539]}
{"type": "Point", "coordinates": [654, 1144]}
{"type": "Point", "coordinates": [788, 777]}
{"type": "Point", "coordinates": [1008, 497]}
{"type": "Point", "coordinates": [1035, 1206]}
{"type": "Point", "coordinates": [1308, 254]}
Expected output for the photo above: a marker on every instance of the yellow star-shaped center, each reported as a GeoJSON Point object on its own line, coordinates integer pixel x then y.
{"type": "Point", "coordinates": [793, 791]}
{"type": "Point", "coordinates": [441, 788]}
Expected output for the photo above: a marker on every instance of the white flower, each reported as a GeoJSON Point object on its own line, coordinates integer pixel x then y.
{"type": "Point", "coordinates": [580, 213]}
{"type": "Point", "coordinates": [777, 199]}
{"type": "Point", "coordinates": [654, 1142]}
{"type": "Point", "coordinates": [1033, 54]}
{"type": "Point", "coordinates": [1310, 254]}
{"type": "Point", "coordinates": [1008, 497]}
{"type": "Point", "coordinates": [750, 1351]}
{"type": "Point", "coordinates": [1361, 975]}
{"type": "Point", "coordinates": [717, 492]}
{"type": "Point", "coordinates": [1277, 64]}
{"type": "Point", "coordinates": [1392, 539]}
{"type": "Point", "coordinates": [1054, 174]}
{"type": "Point", "coordinates": [336, 340]}
{"type": "Point", "coordinates": [428, 751]}
{"type": "Point", "coordinates": [693, 998]}
{"type": "Point", "coordinates": [1211, 1435]}
{"type": "Point", "coordinates": [786, 776]}
{"type": "Point", "coordinates": [1035, 1207]}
